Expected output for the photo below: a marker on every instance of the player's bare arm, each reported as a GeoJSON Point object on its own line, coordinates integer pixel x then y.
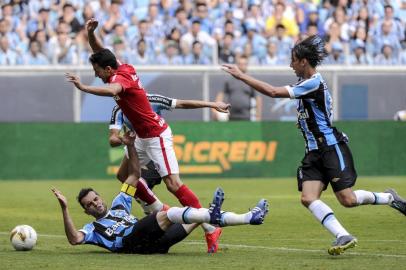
{"type": "Point", "coordinates": [260, 86]}
{"type": "Point", "coordinates": [195, 104]}
{"type": "Point", "coordinates": [94, 42]}
{"type": "Point", "coordinates": [110, 89]}
{"type": "Point", "coordinates": [74, 236]}
{"type": "Point", "coordinates": [114, 138]}
{"type": "Point", "coordinates": [133, 162]}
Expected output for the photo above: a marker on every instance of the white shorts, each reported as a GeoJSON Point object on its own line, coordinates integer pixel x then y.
{"type": "Point", "coordinates": [160, 151]}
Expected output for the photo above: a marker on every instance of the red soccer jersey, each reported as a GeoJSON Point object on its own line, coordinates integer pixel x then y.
{"type": "Point", "coordinates": [134, 103]}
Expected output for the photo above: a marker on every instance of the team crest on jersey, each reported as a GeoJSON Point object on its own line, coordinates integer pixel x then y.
{"type": "Point", "coordinates": [303, 115]}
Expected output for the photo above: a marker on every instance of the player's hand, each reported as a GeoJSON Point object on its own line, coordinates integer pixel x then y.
{"type": "Point", "coordinates": [233, 70]}
{"type": "Point", "coordinates": [70, 77]}
{"type": "Point", "coordinates": [129, 138]}
{"type": "Point", "coordinates": [91, 25]}
{"type": "Point", "coordinates": [61, 198]}
{"type": "Point", "coordinates": [222, 107]}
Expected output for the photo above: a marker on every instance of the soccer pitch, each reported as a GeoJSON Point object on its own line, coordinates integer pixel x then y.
{"type": "Point", "coordinates": [290, 238]}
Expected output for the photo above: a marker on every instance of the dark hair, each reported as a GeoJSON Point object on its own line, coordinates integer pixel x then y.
{"type": "Point", "coordinates": [104, 58]}
{"type": "Point", "coordinates": [312, 49]}
{"type": "Point", "coordinates": [82, 193]}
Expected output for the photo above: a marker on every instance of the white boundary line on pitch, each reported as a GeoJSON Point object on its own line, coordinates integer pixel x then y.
{"type": "Point", "coordinates": [276, 239]}
{"type": "Point", "coordinates": [192, 242]}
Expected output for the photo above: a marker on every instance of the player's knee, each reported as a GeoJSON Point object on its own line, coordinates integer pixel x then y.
{"type": "Point", "coordinates": [348, 201]}
{"type": "Point", "coordinates": [307, 200]}
{"type": "Point", "coordinates": [172, 183]}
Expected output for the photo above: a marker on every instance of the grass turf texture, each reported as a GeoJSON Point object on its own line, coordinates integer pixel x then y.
{"type": "Point", "coordinates": [291, 238]}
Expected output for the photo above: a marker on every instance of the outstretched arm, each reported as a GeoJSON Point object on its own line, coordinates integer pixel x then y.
{"type": "Point", "coordinates": [195, 104]}
{"type": "Point", "coordinates": [74, 236]}
{"type": "Point", "coordinates": [110, 89]}
{"type": "Point", "coordinates": [94, 42]}
{"type": "Point", "coordinates": [260, 86]}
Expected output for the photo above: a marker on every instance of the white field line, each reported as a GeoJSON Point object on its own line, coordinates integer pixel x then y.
{"type": "Point", "coordinates": [276, 239]}
{"type": "Point", "coordinates": [238, 246]}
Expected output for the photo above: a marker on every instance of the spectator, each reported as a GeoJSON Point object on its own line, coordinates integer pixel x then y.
{"type": "Point", "coordinates": [196, 33]}
{"type": "Point", "coordinates": [283, 41]}
{"type": "Point", "coordinates": [226, 49]}
{"type": "Point", "coordinates": [340, 18]}
{"type": "Point", "coordinates": [196, 57]}
{"type": "Point", "coordinates": [68, 16]}
{"type": "Point", "coordinates": [202, 16]}
{"type": "Point", "coordinates": [62, 47]}
{"type": "Point", "coordinates": [386, 57]}
{"type": "Point", "coordinates": [171, 55]}
{"type": "Point", "coordinates": [336, 57]}
{"type": "Point", "coordinates": [272, 58]}
{"type": "Point", "coordinates": [387, 37]}
{"type": "Point", "coordinates": [140, 56]}
{"type": "Point", "coordinates": [42, 22]}
{"type": "Point", "coordinates": [180, 22]}
{"type": "Point", "coordinates": [34, 56]}
{"type": "Point", "coordinates": [144, 34]}
{"type": "Point", "coordinates": [279, 17]}
{"type": "Point", "coordinates": [8, 56]}
{"type": "Point", "coordinates": [359, 55]}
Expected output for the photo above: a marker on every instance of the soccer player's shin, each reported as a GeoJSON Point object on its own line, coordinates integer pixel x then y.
{"type": "Point", "coordinates": [187, 198]}
{"type": "Point", "coordinates": [147, 196]}
{"type": "Point", "coordinates": [325, 215]}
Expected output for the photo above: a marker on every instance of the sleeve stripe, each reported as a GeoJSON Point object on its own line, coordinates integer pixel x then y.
{"type": "Point", "coordinates": [290, 90]}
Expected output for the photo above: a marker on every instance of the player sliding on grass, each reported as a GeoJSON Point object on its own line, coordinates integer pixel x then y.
{"type": "Point", "coordinates": [118, 231]}
{"type": "Point", "coordinates": [328, 159]}
{"type": "Point", "coordinates": [154, 136]}
{"type": "Point", "coordinates": [149, 173]}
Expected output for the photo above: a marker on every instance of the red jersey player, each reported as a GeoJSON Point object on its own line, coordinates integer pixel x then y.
{"type": "Point", "coordinates": [154, 137]}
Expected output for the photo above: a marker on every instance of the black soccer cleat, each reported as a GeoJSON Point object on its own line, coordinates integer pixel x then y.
{"type": "Point", "coordinates": [398, 202]}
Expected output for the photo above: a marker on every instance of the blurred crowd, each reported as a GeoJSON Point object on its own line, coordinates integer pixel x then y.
{"type": "Point", "coordinates": [182, 32]}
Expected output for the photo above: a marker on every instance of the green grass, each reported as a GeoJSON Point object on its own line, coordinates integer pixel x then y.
{"type": "Point", "coordinates": [291, 238]}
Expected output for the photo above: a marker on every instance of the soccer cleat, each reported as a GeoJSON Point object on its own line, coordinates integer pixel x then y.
{"type": "Point", "coordinates": [259, 212]}
{"type": "Point", "coordinates": [341, 244]}
{"type": "Point", "coordinates": [215, 207]}
{"type": "Point", "coordinates": [398, 202]}
{"type": "Point", "coordinates": [212, 240]}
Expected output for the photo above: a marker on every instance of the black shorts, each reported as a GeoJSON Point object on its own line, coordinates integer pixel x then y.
{"type": "Point", "coordinates": [144, 236]}
{"type": "Point", "coordinates": [148, 238]}
{"type": "Point", "coordinates": [151, 175]}
{"type": "Point", "coordinates": [332, 164]}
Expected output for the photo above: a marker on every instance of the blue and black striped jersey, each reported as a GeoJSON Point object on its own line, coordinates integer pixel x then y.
{"type": "Point", "coordinates": [158, 103]}
{"type": "Point", "coordinates": [108, 232]}
{"type": "Point", "coordinates": [315, 112]}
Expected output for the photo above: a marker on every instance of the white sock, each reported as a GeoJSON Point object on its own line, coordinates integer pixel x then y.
{"type": "Point", "coordinates": [325, 215]}
{"type": "Point", "coordinates": [231, 219]}
{"type": "Point", "coordinates": [188, 215]}
{"type": "Point", "coordinates": [149, 208]}
{"type": "Point", "coordinates": [368, 197]}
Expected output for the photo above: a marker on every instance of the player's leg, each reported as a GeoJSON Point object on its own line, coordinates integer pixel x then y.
{"type": "Point", "coordinates": [174, 233]}
{"type": "Point", "coordinates": [160, 151]}
{"type": "Point", "coordinates": [143, 195]}
{"type": "Point", "coordinates": [345, 178]}
{"type": "Point", "coordinates": [214, 215]}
